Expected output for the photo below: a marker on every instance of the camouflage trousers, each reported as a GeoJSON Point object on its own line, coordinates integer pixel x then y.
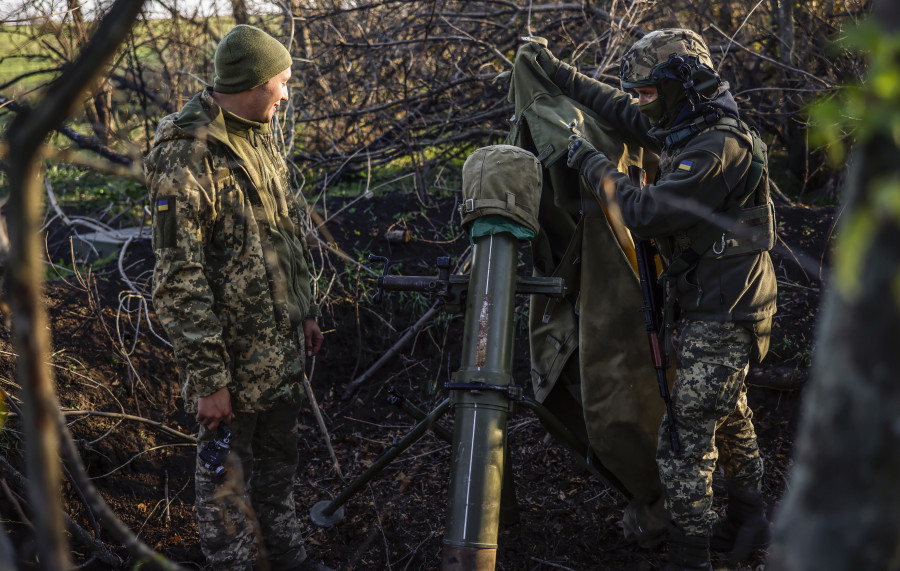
{"type": "Point", "coordinates": [713, 422]}
{"type": "Point", "coordinates": [252, 507]}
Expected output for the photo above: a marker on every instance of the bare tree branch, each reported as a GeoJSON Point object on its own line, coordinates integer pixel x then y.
{"type": "Point", "coordinates": [25, 137]}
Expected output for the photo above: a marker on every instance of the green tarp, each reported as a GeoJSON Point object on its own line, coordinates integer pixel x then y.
{"type": "Point", "coordinates": [589, 350]}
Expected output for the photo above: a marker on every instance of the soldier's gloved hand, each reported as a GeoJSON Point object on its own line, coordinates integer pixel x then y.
{"type": "Point", "coordinates": [560, 73]}
{"type": "Point", "coordinates": [580, 150]}
{"type": "Point", "coordinates": [545, 58]}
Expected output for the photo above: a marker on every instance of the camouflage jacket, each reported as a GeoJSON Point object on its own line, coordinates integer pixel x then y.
{"type": "Point", "coordinates": [702, 174]}
{"type": "Point", "coordinates": [219, 284]}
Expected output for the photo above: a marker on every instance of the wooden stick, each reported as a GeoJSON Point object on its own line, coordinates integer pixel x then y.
{"type": "Point", "coordinates": [321, 420]}
{"type": "Point", "coordinates": [153, 423]}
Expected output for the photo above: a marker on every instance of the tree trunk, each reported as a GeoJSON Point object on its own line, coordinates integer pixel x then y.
{"type": "Point", "coordinates": [239, 11]}
{"type": "Point", "coordinates": [102, 121]}
{"type": "Point", "coordinates": [842, 508]}
{"type": "Point", "coordinates": [786, 30]}
{"type": "Point", "coordinates": [99, 107]}
{"type": "Point", "coordinates": [795, 130]}
{"type": "Point", "coordinates": [32, 340]}
{"type": "Point", "coordinates": [25, 276]}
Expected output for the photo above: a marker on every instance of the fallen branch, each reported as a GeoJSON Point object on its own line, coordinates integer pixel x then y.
{"type": "Point", "coordinates": [407, 337]}
{"type": "Point", "coordinates": [158, 425]}
{"type": "Point", "coordinates": [104, 555]}
{"type": "Point", "coordinates": [153, 423]}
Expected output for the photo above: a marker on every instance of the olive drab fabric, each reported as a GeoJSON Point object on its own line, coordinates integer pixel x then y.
{"type": "Point", "coordinates": [501, 180]}
{"type": "Point", "coordinates": [598, 326]}
{"type": "Point", "coordinates": [719, 306]}
{"type": "Point", "coordinates": [246, 58]}
{"type": "Point", "coordinates": [231, 281]}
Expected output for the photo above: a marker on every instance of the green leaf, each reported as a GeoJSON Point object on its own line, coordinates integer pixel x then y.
{"type": "Point", "coordinates": [850, 252]}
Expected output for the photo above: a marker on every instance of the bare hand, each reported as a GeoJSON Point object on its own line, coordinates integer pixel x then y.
{"type": "Point", "coordinates": [215, 408]}
{"type": "Point", "coordinates": [313, 336]}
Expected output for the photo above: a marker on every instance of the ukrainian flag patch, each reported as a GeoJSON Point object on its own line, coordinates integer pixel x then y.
{"type": "Point", "coordinates": [162, 205]}
{"type": "Point", "coordinates": [686, 166]}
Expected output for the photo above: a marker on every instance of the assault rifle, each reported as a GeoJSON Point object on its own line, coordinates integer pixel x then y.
{"type": "Point", "coordinates": [645, 251]}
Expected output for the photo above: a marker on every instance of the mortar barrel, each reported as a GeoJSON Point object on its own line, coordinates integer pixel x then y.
{"type": "Point", "coordinates": [480, 425]}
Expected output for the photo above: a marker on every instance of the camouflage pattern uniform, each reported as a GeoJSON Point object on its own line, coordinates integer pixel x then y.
{"type": "Point", "coordinates": [231, 286]}
{"type": "Point", "coordinates": [726, 303]}
{"type": "Point", "coordinates": [714, 422]}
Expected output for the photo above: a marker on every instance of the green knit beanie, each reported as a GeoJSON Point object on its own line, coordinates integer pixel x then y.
{"type": "Point", "coordinates": [246, 58]}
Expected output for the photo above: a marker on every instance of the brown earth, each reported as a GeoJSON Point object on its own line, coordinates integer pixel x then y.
{"type": "Point", "coordinates": [568, 519]}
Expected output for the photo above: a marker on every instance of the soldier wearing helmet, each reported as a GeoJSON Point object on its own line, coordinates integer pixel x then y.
{"type": "Point", "coordinates": [709, 213]}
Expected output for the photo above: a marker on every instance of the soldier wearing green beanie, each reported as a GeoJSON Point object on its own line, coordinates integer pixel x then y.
{"type": "Point", "coordinates": [246, 58]}
{"type": "Point", "coordinates": [232, 287]}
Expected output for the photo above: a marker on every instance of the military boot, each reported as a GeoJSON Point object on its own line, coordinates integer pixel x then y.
{"type": "Point", "coordinates": [687, 552]}
{"type": "Point", "coordinates": [744, 527]}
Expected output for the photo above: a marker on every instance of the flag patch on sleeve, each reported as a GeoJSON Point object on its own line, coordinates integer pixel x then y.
{"type": "Point", "coordinates": [162, 204]}
{"type": "Point", "coordinates": [686, 166]}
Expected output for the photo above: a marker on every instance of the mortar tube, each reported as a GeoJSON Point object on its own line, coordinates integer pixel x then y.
{"type": "Point", "coordinates": [480, 425]}
{"type": "Point", "coordinates": [509, 509]}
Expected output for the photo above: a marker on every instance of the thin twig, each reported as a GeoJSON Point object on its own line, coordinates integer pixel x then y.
{"type": "Point", "coordinates": [158, 425]}
{"type": "Point", "coordinates": [318, 413]}
{"type": "Point", "coordinates": [135, 457]}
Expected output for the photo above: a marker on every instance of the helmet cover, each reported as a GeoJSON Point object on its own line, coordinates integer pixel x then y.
{"type": "Point", "coordinates": [647, 62]}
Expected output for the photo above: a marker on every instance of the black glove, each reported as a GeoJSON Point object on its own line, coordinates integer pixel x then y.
{"type": "Point", "coordinates": [580, 150]}
{"type": "Point", "coordinates": [545, 58]}
{"type": "Point", "coordinates": [559, 73]}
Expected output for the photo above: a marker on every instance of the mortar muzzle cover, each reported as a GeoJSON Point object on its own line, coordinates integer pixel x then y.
{"type": "Point", "coordinates": [504, 180]}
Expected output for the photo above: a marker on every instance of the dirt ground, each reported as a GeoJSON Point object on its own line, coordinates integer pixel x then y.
{"type": "Point", "coordinates": [568, 518]}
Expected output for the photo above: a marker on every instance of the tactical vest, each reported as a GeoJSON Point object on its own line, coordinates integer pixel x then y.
{"type": "Point", "coordinates": [737, 230]}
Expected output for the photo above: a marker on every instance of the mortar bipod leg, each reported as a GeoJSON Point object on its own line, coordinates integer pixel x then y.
{"type": "Point", "coordinates": [417, 413]}
{"type": "Point", "coordinates": [328, 512]}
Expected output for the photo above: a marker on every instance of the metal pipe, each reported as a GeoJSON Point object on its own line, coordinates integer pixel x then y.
{"type": "Point", "coordinates": [480, 425]}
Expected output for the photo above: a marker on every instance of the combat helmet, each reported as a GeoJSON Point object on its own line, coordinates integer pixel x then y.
{"type": "Point", "coordinates": [670, 53]}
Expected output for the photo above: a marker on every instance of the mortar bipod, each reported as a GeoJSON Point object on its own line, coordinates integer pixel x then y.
{"type": "Point", "coordinates": [482, 395]}
{"type": "Point", "coordinates": [329, 512]}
